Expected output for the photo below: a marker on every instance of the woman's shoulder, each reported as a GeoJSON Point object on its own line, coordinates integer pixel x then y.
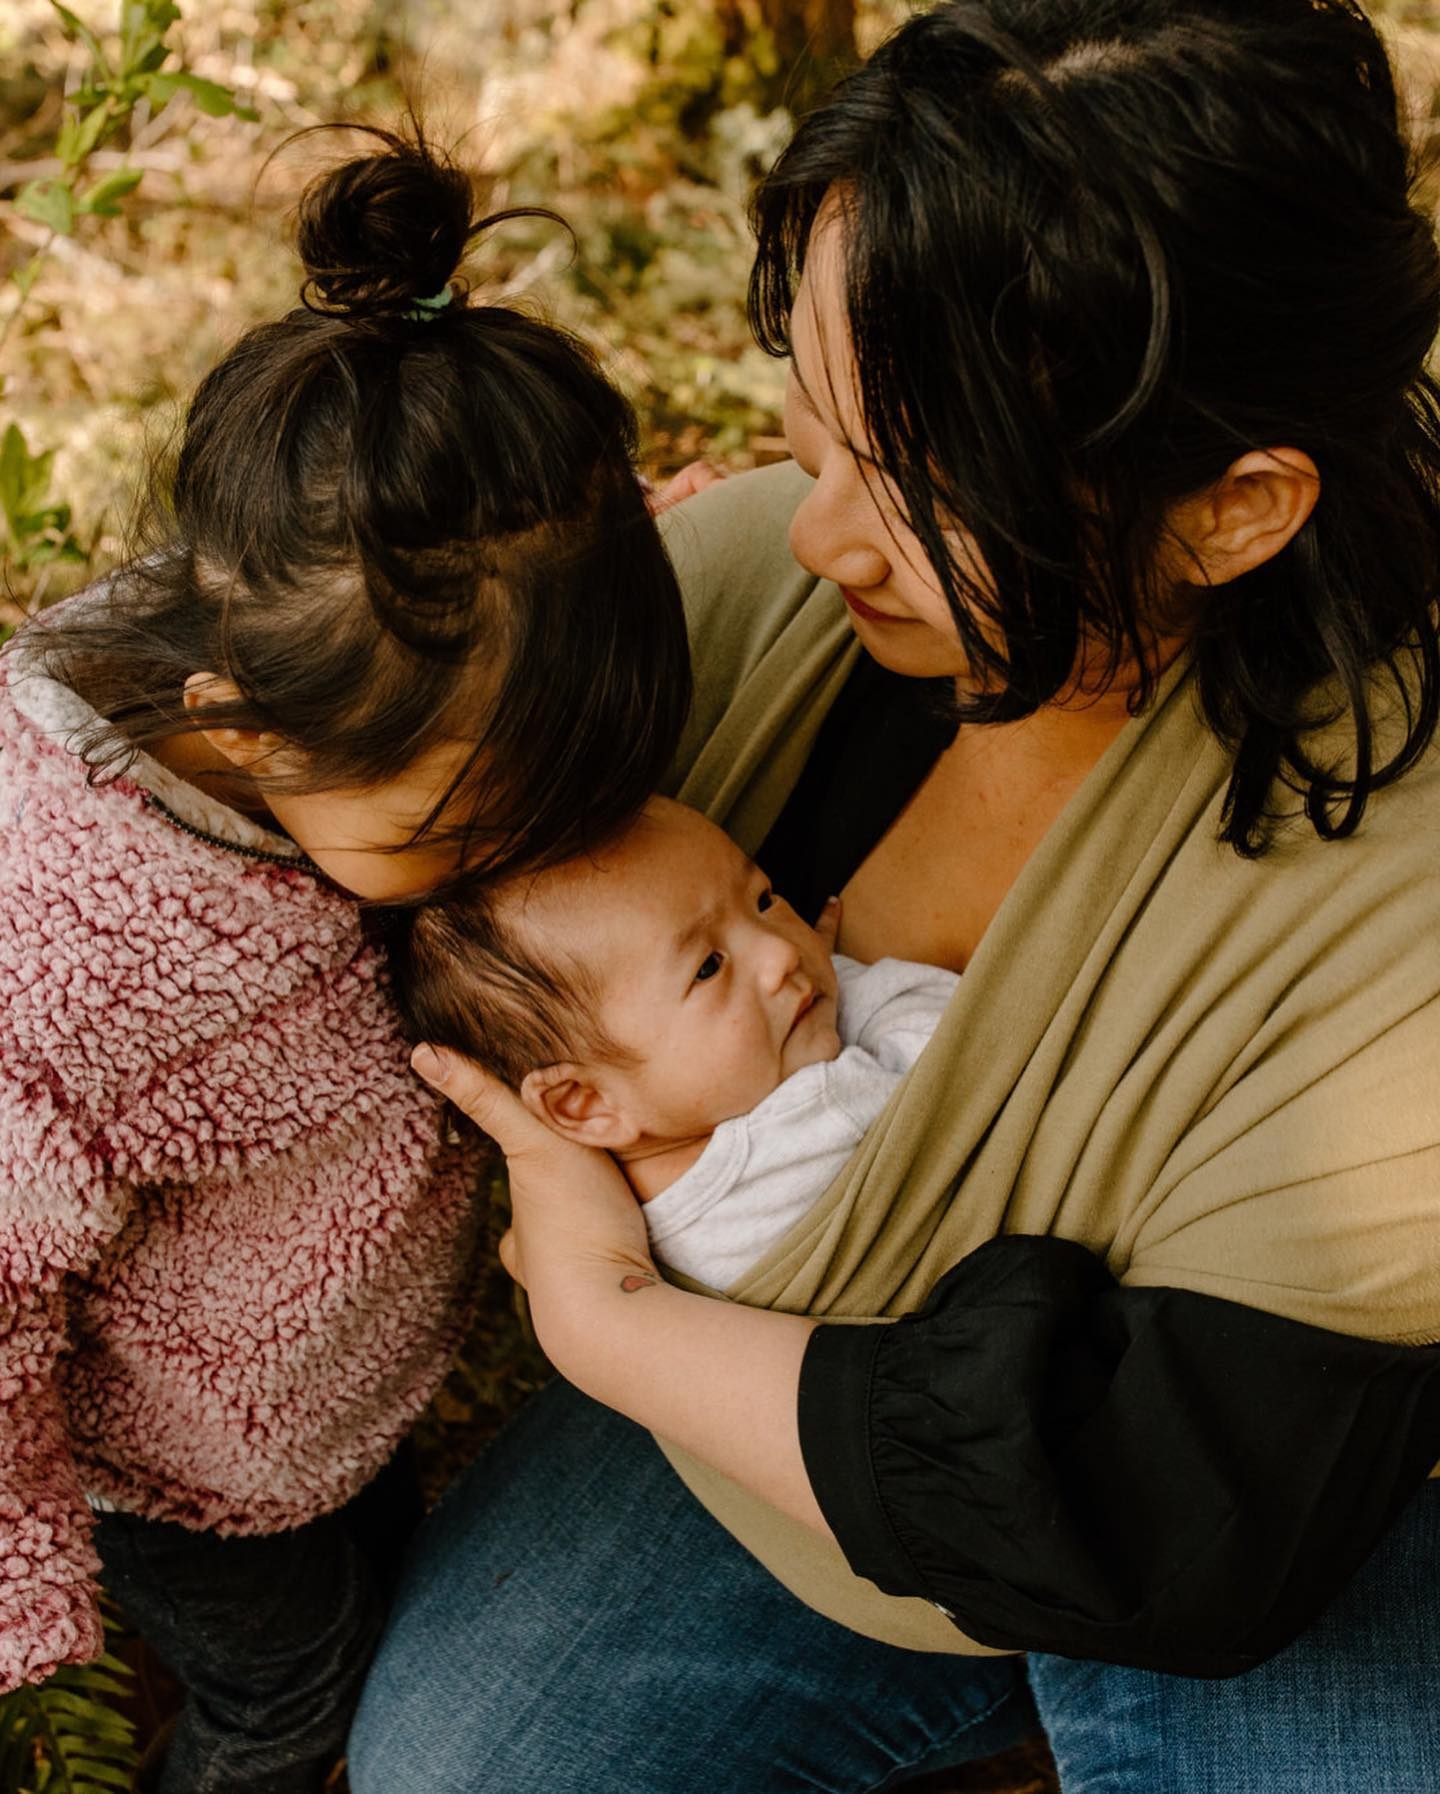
{"type": "Point", "coordinates": [770, 644]}
{"type": "Point", "coordinates": [730, 549]}
{"type": "Point", "coordinates": [1398, 833]}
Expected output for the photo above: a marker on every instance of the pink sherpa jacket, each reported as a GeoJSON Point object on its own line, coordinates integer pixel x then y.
{"type": "Point", "coordinates": [234, 1240]}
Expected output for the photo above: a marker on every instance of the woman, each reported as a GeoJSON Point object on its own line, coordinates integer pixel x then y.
{"type": "Point", "coordinates": [1108, 326]}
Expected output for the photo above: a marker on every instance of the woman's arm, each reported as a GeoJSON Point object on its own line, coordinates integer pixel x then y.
{"type": "Point", "coordinates": [1142, 1476]}
{"type": "Point", "coordinates": [717, 1380]}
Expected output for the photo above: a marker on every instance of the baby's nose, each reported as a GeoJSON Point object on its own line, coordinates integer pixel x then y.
{"type": "Point", "coordinates": [782, 960]}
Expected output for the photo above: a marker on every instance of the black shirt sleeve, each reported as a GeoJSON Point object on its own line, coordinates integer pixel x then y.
{"type": "Point", "coordinates": [1142, 1476]}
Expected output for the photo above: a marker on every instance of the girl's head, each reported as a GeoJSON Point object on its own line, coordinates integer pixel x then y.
{"type": "Point", "coordinates": [1119, 310]}
{"type": "Point", "coordinates": [407, 584]}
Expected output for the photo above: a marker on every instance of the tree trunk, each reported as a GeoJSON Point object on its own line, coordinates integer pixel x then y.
{"type": "Point", "coordinates": [818, 31]}
{"type": "Point", "coordinates": [814, 44]}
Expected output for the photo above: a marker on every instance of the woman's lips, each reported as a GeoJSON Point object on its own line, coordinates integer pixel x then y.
{"type": "Point", "coordinates": [868, 611]}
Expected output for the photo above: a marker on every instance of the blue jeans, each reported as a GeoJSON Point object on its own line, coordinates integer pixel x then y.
{"type": "Point", "coordinates": [573, 1621]}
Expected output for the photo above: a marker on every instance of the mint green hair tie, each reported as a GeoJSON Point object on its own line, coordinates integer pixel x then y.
{"type": "Point", "coordinates": [423, 310]}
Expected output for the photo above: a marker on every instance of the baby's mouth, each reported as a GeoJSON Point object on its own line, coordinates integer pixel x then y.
{"type": "Point", "coordinates": [806, 1005]}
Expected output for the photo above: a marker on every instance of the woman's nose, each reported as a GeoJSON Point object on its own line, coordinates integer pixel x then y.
{"type": "Point", "coordinates": [836, 534]}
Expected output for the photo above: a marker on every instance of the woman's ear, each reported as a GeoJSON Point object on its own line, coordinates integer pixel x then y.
{"type": "Point", "coordinates": [1257, 507]}
{"type": "Point", "coordinates": [245, 748]}
{"type": "Point", "coordinates": [567, 1100]}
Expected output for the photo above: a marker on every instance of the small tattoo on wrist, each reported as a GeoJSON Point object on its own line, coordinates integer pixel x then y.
{"type": "Point", "coordinates": [634, 1280]}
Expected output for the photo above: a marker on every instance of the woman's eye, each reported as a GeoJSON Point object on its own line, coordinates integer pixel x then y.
{"type": "Point", "coordinates": [709, 967]}
{"type": "Point", "coordinates": [765, 901]}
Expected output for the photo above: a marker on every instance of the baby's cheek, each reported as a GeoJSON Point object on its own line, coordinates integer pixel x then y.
{"type": "Point", "coordinates": [812, 1045]}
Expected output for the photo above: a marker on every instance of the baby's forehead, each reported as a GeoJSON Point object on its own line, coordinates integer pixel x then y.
{"type": "Point", "coordinates": [669, 862]}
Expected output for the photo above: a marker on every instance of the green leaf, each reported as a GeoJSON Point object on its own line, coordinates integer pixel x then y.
{"type": "Point", "coordinates": [23, 477]}
{"type": "Point", "coordinates": [26, 275]}
{"type": "Point", "coordinates": [38, 531]}
{"type": "Point", "coordinates": [212, 99]}
{"type": "Point", "coordinates": [63, 1737]}
{"type": "Point", "coordinates": [102, 197]}
{"type": "Point", "coordinates": [209, 96]}
{"type": "Point", "coordinates": [114, 1621]}
{"type": "Point", "coordinates": [77, 28]}
{"type": "Point", "coordinates": [75, 1703]}
{"type": "Point", "coordinates": [143, 25]}
{"type": "Point", "coordinates": [48, 202]}
{"type": "Point", "coordinates": [158, 89]}
{"type": "Point", "coordinates": [82, 131]}
{"type": "Point", "coordinates": [103, 1775]}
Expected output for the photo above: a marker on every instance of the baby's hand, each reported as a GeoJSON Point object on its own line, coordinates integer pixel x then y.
{"type": "Point", "coordinates": [828, 926]}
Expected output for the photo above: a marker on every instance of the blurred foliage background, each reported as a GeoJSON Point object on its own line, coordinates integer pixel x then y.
{"type": "Point", "coordinates": [644, 122]}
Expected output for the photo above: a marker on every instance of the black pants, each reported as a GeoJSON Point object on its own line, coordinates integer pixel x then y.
{"type": "Point", "coordinates": [270, 1637]}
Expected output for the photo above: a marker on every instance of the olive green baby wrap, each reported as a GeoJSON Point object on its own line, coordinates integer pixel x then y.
{"type": "Point", "coordinates": [1221, 1075]}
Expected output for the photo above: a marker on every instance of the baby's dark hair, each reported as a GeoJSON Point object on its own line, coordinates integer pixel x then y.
{"type": "Point", "coordinates": [469, 975]}
{"type": "Point", "coordinates": [398, 520]}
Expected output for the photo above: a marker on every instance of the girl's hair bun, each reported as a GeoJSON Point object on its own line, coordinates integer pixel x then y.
{"type": "Point", "coordinates": [382, 231]}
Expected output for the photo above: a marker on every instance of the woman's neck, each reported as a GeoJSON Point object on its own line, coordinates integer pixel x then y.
{"type": "Point", "coordinates": [930, 888]}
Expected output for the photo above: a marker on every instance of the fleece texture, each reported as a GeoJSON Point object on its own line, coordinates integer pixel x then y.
{"type": "Point", "coordinates": [235, 1234]}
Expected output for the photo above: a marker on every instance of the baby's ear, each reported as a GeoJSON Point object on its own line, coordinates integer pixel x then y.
{"type": "Point", "coordinates": [568, 1101]}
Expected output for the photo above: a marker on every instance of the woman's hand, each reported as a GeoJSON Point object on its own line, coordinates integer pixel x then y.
{"type": "Point", "coordinates": [574, 1223]}
{"type": "Point", "coordinates": [692, 478]}
{"type": "Point", "coordinates": [717, 1379]}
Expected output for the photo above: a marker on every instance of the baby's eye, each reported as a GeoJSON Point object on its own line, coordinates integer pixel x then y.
{"type": "Point", "coordinates": [709, 967]}
{"type": "Point", "coordinates": [766, 900]}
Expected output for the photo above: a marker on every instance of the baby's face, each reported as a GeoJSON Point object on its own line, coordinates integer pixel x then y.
{"type": "Point", "coordinates": [711, 981]}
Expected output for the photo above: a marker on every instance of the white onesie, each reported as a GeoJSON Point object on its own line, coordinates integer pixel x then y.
{"type": "Point", "coordinates": [759, 1173]}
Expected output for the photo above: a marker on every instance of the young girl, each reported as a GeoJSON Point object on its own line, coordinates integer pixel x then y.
{"type": "Point", "coordinates": [407, 583]}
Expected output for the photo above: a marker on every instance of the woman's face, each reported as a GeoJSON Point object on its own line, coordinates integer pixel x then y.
{"type": "Point", "coordinates": [849, 528]}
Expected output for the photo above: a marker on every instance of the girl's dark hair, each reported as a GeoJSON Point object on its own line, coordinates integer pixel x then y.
{"type": "Point", "coordinates": [1094, 251]}
{"type": "Point", "coordinates": [396, 525]}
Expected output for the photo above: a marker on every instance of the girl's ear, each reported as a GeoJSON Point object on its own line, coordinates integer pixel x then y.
{"type": "Point", "coordinates": [244, 748]}
{"type": "Point", "coordinates": [566, 1099]}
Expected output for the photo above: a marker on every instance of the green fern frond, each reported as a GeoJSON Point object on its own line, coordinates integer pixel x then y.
{"type": "Point", "coordinates": [66, 1736]}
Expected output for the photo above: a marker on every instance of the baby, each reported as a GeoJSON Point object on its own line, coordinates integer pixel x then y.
{"type": "Point", "coordinates": [658, 1000]}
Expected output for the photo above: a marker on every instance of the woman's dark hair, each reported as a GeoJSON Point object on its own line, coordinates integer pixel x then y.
{"type": "Point", "coordinates": [395, 525]}
{"type": "Point", "coordinates": [1096, 250]}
